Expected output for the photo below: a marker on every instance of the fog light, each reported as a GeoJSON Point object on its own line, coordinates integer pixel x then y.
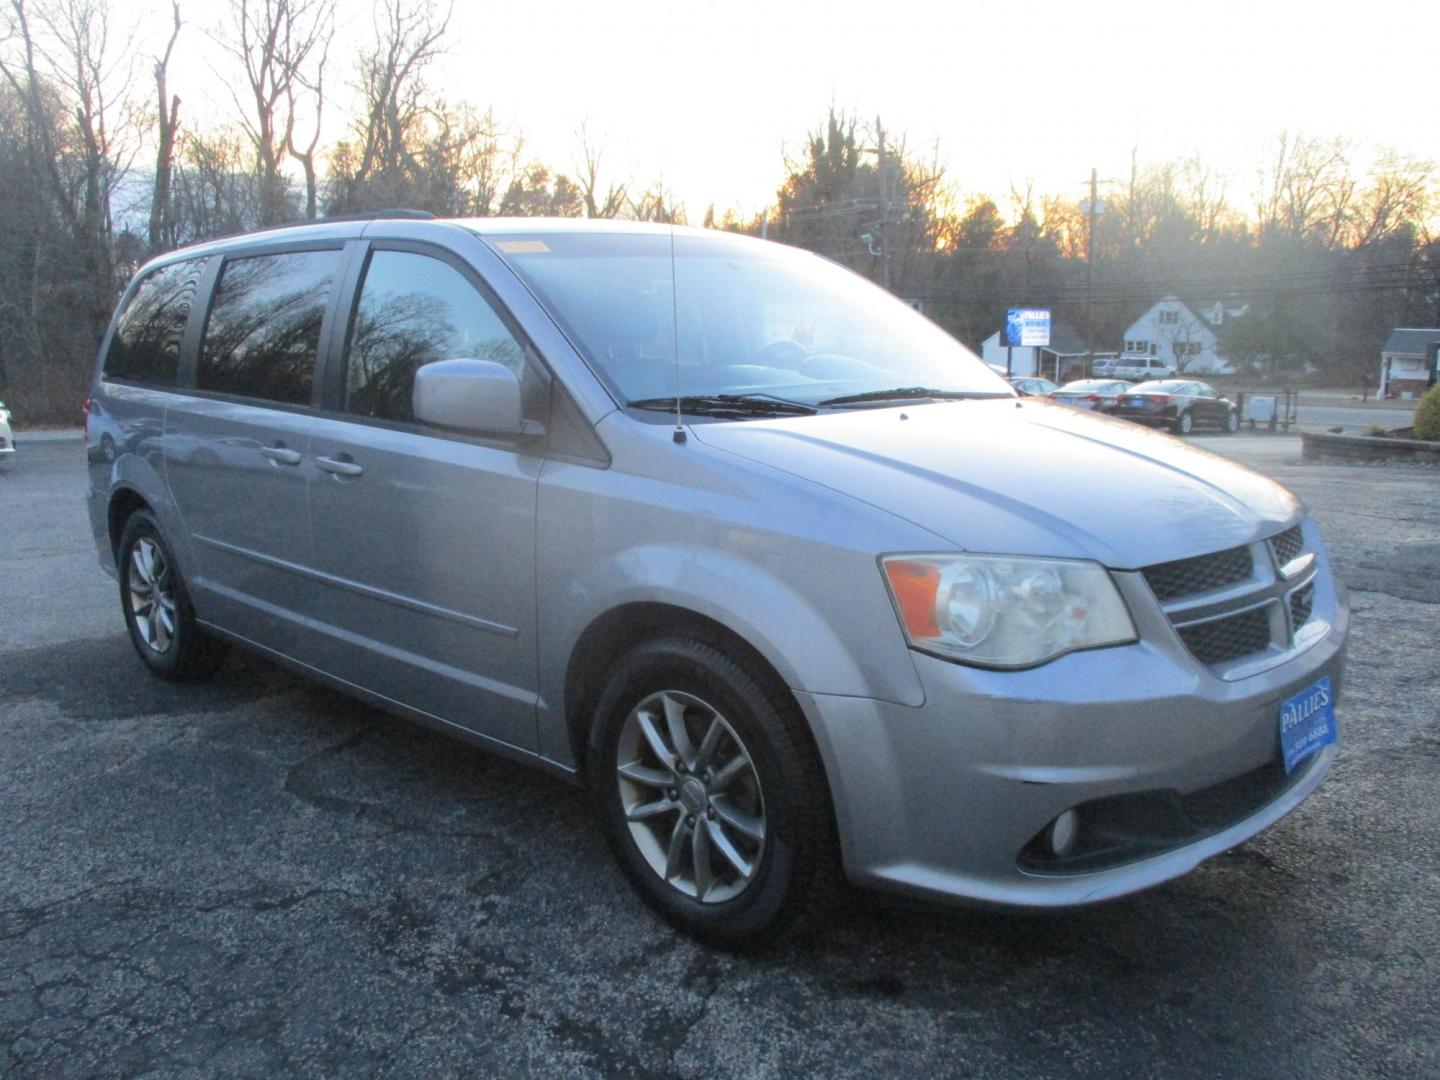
{"type": "Point", "coordinates": [1063, 831]}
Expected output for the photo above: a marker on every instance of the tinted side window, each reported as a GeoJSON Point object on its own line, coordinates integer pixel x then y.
{"type": "Point", "coordinates": [263, 333]}
{"type": "Point", "coordinates": [414, 310]}
{"type": "Point", "coordinates": [146, 345]}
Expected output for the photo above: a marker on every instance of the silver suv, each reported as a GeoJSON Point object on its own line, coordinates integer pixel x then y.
{"type": "Point", "coordinates": [783, 574]}
{"type": "Point", "coordinates": [1135, 368]}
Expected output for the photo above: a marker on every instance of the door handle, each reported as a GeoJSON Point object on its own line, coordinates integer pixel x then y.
{"type": "Point", "coordinates": [340, 466]}
{"type": "Point", "coordinates": [282, 454]}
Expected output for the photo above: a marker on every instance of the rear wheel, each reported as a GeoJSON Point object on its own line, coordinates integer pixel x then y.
{"type": "Point", "coordinates": [156, 606]}
{"type": "Point", "coordinates": [1184, 424]}
{"type": "Point", "coordinates": [710, 793]}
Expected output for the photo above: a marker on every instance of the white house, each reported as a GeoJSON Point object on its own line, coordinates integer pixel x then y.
{"type": "Point", "coordinates": [1066, 348]}
{"type": "Point", "coordinates": [1183, 334]}
{"type": "Point", "coordinates": [1409, 362]}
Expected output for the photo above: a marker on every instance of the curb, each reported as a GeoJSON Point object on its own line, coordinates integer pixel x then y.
{"type": "Point", "coordinates": [1369, 448]}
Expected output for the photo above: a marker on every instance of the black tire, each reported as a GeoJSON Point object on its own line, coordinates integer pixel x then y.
{"type": "Point", "coordinates": [798, 866]}
{"type": "Point", "coordinates": [189, 653]}
{"type": "Point", "coordinates": [1232, 422]}
{"type": "Point", "coordinates": [1184, 424]}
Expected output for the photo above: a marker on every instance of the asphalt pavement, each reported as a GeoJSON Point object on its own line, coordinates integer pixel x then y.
{"type": "Point", "coordinates": [256, 877]}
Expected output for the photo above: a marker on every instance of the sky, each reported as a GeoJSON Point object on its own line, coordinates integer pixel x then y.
{"type": "Point", "coordinates": [710, 95]}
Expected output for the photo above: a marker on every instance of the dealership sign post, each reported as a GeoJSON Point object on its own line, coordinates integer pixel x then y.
{"type": "Point", "coordinates": [1026, 327]}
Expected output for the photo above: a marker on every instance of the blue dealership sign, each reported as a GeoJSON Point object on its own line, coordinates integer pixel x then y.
{"type": "Point", "coordinates": [1027, 326]}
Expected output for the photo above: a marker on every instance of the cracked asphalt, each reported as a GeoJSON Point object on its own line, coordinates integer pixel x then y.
{"type": "Point", "coordinates": [257, 877]}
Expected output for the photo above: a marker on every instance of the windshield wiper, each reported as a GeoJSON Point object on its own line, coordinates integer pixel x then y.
{"type": "Point", "coordinates": [906, 393]}
{"type": "Point", "coordinates": [726, 405]}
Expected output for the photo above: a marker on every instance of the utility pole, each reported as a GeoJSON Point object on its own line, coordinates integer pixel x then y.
{"type": "Point", "coordinates": [884, 206]}
{"type": "Point", "coordinates": [1090, 279]}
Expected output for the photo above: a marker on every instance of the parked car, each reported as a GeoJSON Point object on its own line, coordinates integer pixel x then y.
{"type": "Point", "coordinates": [1096, 394]}
{"type": "Point", "coordinates": [1032, 386]}
{"type": "Point", "coordinates": [1179, 404]}
{"type": "Point", "coordinates": [7, 436]}
{"type": "Point", "coordinates": [578, 492]}
{"type": "Point", "coordinates": [1134, 368]}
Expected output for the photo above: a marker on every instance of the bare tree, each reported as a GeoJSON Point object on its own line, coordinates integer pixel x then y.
{"type": "Point", "coordinates": [657, 203]}
{"type": "Point", "coordinates": [1203, 196]}
{"type": "Point", "coordinates": [487, 160]}
{"type": "Point", "coordinates": [392, 83]}
{"type": "Point", "coordinates": [304, 57]}
{"type": "Point", "coordinates": [68, 60]}
{"type": "Point", "coordinates": [167, 127]}
{"type": "Point", "coordinates": [590, 156]}
{"type": "Point", "coordinates": [1306, 188]}
{"type": "Point", "coordinates": [281, 47]}
{"type": "Point", "coordinates": [67, 142]}
{"type": "Point", "coordinates": [1396, 196]}
{"type": "Point", "coordinates": [216, 188]}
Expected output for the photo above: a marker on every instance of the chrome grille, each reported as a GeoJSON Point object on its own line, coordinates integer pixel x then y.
{"type": "Point", "coordinates": [1287, 544]}
{"type": "Point", "coordinates": [1204, 573]}
{"type": "Point", "coordinates": [1229, 607]}
{"type": "Point", "coordinates": [1221, 640]}
{"type": "Point", "coordinates": [1302, 602]}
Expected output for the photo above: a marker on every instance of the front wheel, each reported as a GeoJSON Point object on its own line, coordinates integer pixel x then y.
{"type": "Point", "coordinates": [156, 606]}
{"type": "Point", "coordinates": [710, 792]}
{"type": "Point", "coordinates": [1184, 424]}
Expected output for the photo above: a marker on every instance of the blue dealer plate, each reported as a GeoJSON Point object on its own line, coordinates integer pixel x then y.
{"type": "Point", "coordinates": [1307, 722]}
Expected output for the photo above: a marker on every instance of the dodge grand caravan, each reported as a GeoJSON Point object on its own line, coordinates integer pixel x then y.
{"type": "Point", "coordinates": [783, 574]}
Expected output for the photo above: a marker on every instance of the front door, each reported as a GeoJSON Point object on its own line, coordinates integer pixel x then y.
{"type": "Point", "coordinates": [1208, 409]}
{"type": "Point", "coordinates": [424, 540]}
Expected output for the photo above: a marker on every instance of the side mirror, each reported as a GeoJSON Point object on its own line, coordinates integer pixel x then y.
{"type": "Point", "coordinates": [478, 396]}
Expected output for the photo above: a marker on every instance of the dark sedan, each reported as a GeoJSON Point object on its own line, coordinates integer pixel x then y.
{"type": "Point", "coordinates": [1180, 405]}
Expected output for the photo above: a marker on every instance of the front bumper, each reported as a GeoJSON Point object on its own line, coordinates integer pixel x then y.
{"type": "Point", "coordinates": [944, 800]}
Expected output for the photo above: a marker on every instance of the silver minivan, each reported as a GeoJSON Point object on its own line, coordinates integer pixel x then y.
{"type": "Point", "coordinates": [782, 573]}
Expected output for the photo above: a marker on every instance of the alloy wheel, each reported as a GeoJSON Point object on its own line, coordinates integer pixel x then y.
{"type": "Point", "coordinates": [150, 587]}
{"type": "Point", "coordinates": [691, 796]}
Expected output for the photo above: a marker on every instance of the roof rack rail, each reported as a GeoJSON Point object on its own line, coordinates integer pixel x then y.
{"type": "Point", "coordinates": [377, 215]}
{"type": "Point", "coordinates": [368, 215]}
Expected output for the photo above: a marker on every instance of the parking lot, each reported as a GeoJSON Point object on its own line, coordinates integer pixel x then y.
{"type": "Point", "coordinates": [253, 876]}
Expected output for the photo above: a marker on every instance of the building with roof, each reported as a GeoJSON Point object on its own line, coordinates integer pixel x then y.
{"type": "Point", "coordinates": [1065, 351]}
{"type": "Point", "coordinates": [1186, 335]}
{"type": "Point", "coordinates": [1409, 362]}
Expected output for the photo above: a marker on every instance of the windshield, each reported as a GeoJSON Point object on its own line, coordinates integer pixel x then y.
{"type": "Point", "coordinates": [1089, 385]}
{"type": "Point", "coordinates": [747, 318]}
{"type": "Point", "coordinates": [1168, 387]}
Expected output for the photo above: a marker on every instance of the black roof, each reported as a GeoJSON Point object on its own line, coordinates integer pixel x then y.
{"type": "Point", "coordinates": [1412, 341]}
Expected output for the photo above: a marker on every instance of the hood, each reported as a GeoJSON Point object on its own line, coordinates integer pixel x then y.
{"type": "Point", "coordinates": [1024, 478]}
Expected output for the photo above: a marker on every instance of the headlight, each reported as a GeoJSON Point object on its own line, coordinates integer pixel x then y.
{"type": "Point", "coordinates": [1005, 612]}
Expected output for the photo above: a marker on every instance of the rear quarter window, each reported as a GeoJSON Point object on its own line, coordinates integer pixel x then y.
{"type": "Point", "coordinates": [146, 345]}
